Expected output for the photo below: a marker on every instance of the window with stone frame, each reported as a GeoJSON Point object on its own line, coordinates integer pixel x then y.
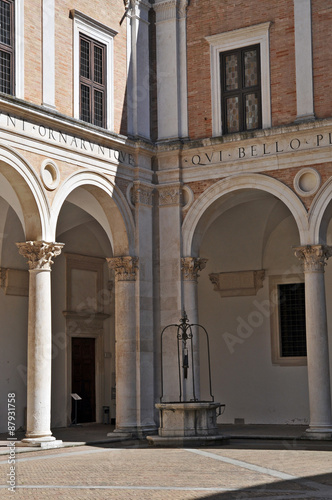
{"type": "Point", "coordinates": [241, 89]}
{"type": "Point", "coordinates": [92, 81]}
{"type": "Point", "coordinates": [288, 321]}
{"type": "Point", "coordinates": [7, 42]}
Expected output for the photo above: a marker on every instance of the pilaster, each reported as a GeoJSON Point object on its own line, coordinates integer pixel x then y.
{"type": "Point", "coordinates": [171, 68]}
{"type": "Point", "coordinates": [125, 271]}
{"type": "Point", "coordinates": [190, 268]}
{"type": "Point", "coordinates": [138, 82]}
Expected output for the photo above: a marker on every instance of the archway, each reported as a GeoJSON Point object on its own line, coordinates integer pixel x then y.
{"type": "Point", "coordinates": [246, 227]}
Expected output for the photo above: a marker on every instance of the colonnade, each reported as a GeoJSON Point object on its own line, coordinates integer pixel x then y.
{"type": "Point", "coordinates": [40, 254]}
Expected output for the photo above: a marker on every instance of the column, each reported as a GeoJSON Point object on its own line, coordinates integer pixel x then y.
{"type": "Point", "coordinates": [314, 259]}
{"type": "Point", "coordinates": [138, 88]}
{"type": "Point", "coordinates": [39, 255]}
{"type": "Point", "coordinates": [303, 60]}
{"type": "Point", "coordinates": [171, 68]}
{"type": "Point", "coordinates": [142, 199]}
{"type": "Point", "coordinates": [125, 269]}
{"type": "Point", "coordinates": [190, 267]}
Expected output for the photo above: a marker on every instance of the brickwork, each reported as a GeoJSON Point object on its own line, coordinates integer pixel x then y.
{"type": "Point", "coordinates": [322, 56]}
{"type": "Point", "coordinates": [206, 18]}
{"type": "Point", "coordinates": [33, 52]}
{"type": "Point", "coordinates": [109, 14]}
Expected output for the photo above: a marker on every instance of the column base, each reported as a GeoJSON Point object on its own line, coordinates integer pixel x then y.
{"type": "Point", "coordinates": [42, 442]}
{"type": "Point", "coordinates": [318, 433]}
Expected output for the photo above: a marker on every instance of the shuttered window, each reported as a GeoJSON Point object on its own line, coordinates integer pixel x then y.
{"type": "Point", "coordinates": [92, 81]}
{"type": "Point", "coordinates": [7, 46]}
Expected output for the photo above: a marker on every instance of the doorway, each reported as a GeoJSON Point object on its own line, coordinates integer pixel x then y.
{"type": "Point", "coordinates": [83, 376]}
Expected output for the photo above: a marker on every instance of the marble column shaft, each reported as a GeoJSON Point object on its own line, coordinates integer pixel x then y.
{"type": "Point", "coordinates": [314, 259]}
{"type": "Point", "coordinates": [39, 255]}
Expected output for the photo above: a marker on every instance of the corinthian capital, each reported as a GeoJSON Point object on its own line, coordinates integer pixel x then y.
{"type": "Point", "coordinates": [190, 267]}
{"type": "Point", "coordinates": [125, 268]}
{"type": "Point", "coordinates": [39, 253]}
{"type": "Point", "coordinates": [313, 257]}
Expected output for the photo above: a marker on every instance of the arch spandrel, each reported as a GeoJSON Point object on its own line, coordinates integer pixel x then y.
{"type": "Point", "coordinates": [320, 214]}
{"type": "Point", "coordinates": [202, 210]}
{"type": "Point", "coordinates": [26, 195]}
{"type": "Point", "coordinates": [115, 216]}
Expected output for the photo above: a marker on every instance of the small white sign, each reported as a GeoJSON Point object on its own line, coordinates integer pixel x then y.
{"type": "Point", "coordinates": [76, 396]}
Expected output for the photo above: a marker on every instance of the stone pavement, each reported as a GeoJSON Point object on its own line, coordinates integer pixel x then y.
{"type": "Point", "coordinates": [245, 468]}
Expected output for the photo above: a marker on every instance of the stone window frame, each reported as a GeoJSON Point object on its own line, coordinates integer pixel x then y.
{"type": "Point", "coordinates": [230, 40]}
{"type": "Point", "coordinates": [17, 29]}
{"type": "Point", "coordinates": [277, 359]}
{"type": "Point", "coordinates": [104, 35]}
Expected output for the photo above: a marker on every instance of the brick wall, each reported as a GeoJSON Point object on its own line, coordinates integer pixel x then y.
{"type": "Point", "coordinates": [321, 12]}
{"type": "Point", "coordinates": [210, 17]}
{"type": "Point", "coordinates": [108, 12]}
{"type": "Point", "coordinates": [33, 52]}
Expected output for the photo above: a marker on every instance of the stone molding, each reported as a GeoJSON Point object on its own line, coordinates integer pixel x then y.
{"type": "Point", "coordinates": [313, 257]}
{"type": "Point", "coordinates": [170, 9]}
{"type": "Point", "coordinates": [125, 268]}
{"type": "Point", "coordinates": [237, 284]}
{"type": "Point", "coordinates": [142, 194]}
{"type": "Point", "coordinates": [190, 266]}
{"type": "Point", "coordinates": [169, 195]}
{"type": "Point", "coordinates": [39, 253]}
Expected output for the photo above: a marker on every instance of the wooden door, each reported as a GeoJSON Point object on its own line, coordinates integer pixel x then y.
{"type": "Point", "coordinates": [83, 378]}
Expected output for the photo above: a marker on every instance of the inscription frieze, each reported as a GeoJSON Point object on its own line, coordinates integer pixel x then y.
{"type": "Point", "coordinates": [64, 139]}
{"type": "Point", "coordinates": [265, 148]}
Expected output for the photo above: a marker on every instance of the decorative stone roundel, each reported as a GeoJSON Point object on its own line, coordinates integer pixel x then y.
{"type": "Point", "coordinates": [50, 174]}
{"type": "Point", "coordinates": [307, 182]}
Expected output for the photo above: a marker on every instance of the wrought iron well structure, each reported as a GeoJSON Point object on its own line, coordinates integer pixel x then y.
{"type": "Point", "coordinates": [191, 419]}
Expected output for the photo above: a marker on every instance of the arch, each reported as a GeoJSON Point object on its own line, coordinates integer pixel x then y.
{"type": "Point", "coordinates": [194, 224]}
{"type": "Point", "coordinates": [25, 193]}
{"type": "Point", "coordinates": [320, 213]}
{"type": "Point", "coordinates": [115, 215]}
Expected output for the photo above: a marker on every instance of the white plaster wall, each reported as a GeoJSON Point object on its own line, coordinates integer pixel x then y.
{"type": "Point", "coordinates": [252, 235]}
{"type": "Point", "coordinates": [14, 326]}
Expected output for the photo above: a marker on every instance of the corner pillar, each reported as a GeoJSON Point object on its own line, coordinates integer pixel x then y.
{"type": "Point", "coordinates": [125, 269]}
{"type": "Point", "coordinates": [39, 255]}
{"type": "Point", "coordinates": [313, 258]}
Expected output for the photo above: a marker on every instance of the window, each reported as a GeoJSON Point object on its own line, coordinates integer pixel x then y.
{"type": "Point", "coordinates": [288, 324]}
{"type": "Point", "coordinates": [92, 81]}
{"type": "Point", "coordinates": [240, 89]}
{"type": "Point", "coordinates": [240, 49]}
{"type": "Point", "coordinates": [93, 70]}
{"type": "Point", "coordinates": [7, 46]}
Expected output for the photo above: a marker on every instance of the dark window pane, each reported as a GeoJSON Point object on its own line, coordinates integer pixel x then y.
{"type": "Point", "coordinates": [292, 319]}
{"type": "Point", "coordinates": [250, 68]}
{"type": "Point", "coordinates": [5, 72]}
{"type": "Point", "coordinates": [85, 58]}
{"type": "Point", "coordinates": [98, 102]}
{"type": "Point", "coordinates": [98, 64]}
{"type": "Point", "coordinates": [251, 111]}
{"type": "Point", "coordinates": [232, 114]}
{"type": "Point", "coordinates": [5, 23]}
{"type": "Point", "coordinates": [85, 103]}
{"type": "Point", "coordinates": [231, 72]}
